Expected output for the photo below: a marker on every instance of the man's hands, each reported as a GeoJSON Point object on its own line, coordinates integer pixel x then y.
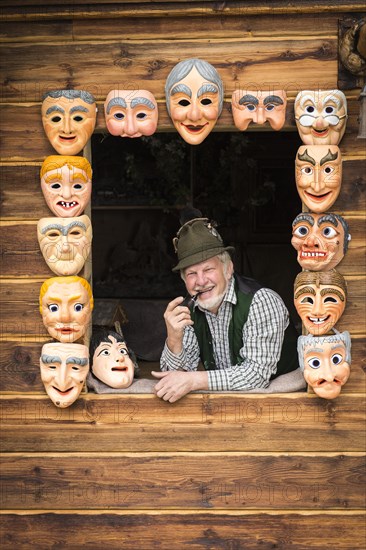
{"type": "Point", "coordinates": [176, 319]}
{"type": "Point", "coordinates": [176, 384]}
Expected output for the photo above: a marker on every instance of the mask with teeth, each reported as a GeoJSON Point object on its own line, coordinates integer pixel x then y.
{"type": "Point", "coordinates": [320, 299]}
{"type": "Point", "coordinates": [321, 240]}
{"type": "Point", "coordinates": [111, 360]}
{"type": "Point", "coordinates": [321, 116]}
{"type": "Point", "coordinates": [318, 173]}
{"type": "Point", "coordinates": [64, 368]}
{"type": "Point", "coordinates": [194, 98]}
{"type": "Point", "coordinates": [325, 361]}
{"type": "Point", "coordinates": [66, 184]}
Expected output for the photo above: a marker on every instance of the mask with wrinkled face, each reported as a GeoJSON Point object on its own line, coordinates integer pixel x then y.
{"type": "Point", "coordinates": [259, 107]}
{"type": "Point", "coordinates": [64, 368]}
{"type": "Point", "coordinates": [326, 362]}
{"type": "Point", "coordinates": [321, 116]}
{"type": "Point", "coordinates": [69, 118]}
{"type": "Point", "coordinates": [65, 243]}
{"type": "Point", "coordinates": [318, 175]}
{"type": "Point", "coordinates": [131, 113]}
{"type": "Point", "coordinates": [321, 240]}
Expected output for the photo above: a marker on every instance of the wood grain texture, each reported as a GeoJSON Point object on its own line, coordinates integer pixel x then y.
{"type": "Point", "coordinates": [238, 481]}
{"type": "Point", "coordinates": [287, 531]}
{"type": "Point", "coordinates": [29, 70]}
{"type": "Point", "coordinates": [19, 367]}
{"type": "Point", "coordinates": [199, 422]}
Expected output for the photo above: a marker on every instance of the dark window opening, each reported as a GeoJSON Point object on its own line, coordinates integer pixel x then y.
{"type": "Point", "coordinates": [245, 181]}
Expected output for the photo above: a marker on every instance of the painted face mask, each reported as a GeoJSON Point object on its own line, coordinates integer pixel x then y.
{"type": "Point", "coordinates": [320, 299]}
{"type": "Point", "coordinates": [111, 360]}
{"type": "Point", "coordinates": [66, 184]}
{"type": "Point", "coordinates": [66, 304]}
{"type": "Point", "coordinates": [318, 175]}
{"type": "Point", "coordinates": [325, 361]}
{"type": "Point", "coordinates": [194, 97]}
{"type": "Point", "coordinates": [65, 243]}
{"type": "Point", "coordinates": [131, 113]}
{"type": "Point", "coordinates": [321, 240]}
{"type": "Point", "coordinates": [259, 107]}
{"type": "Point", "coordinates": [64, 368]}
{"type": "Point", "coordinates": [68, 118]}
{"type": "Point", "coordinates": [321, 116]}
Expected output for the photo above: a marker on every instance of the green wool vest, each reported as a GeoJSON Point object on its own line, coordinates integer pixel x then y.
{"type": "Point", "coordinates": [245, 289]}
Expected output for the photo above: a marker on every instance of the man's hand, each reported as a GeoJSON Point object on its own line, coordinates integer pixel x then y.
{"type": "Point", "coordinates": [176, 384]}
{"type": "Point", "coordinates": [176, 319]}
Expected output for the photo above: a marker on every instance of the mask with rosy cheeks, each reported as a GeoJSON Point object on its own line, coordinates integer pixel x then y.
{"type": "Point", "coordinates": [320, 299]}
{"type": "Point", "coordinates": [111, 361]}
{"type": "Point", "coordinates": [64, 368]}
{"type": "Point", "coordinates": [194, 95]}
{"type": "Point", "coordinates": [69, 118]}
{"type": "Point", "coordinates": [321, 116]}
{"type": "Point", "coordinates": [65, 243]}
{"type": "Point", "coordinates": [318, 175]}
{"type": "Point", "coordinates": [325, 362]}
{"type": "Point", "coordinates": [259, 107]}
{"type": "Point", "coordinates": [66, 304]}
{"type": "Point", "coordinates": [131, 113]}
{"type": "Point", "coordinates": [321, 240]}
{"type": "Point", "coordinates": [66, 185]}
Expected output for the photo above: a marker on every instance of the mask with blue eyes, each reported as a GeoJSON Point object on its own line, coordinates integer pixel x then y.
{"type": "Point", "coordinates": [321, 240]}
{"type": "Point", "coordinates": [259, 107]}
{"type": "Point", "coordinates": [131, 113]}
{"type": "Point", "coordinates": [326, 362]}
{"type": "Point", "coordinates": [321, 116]}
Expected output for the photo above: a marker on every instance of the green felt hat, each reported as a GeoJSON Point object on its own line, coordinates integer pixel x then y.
{"type": "Point", "coordinates": [197, 241]}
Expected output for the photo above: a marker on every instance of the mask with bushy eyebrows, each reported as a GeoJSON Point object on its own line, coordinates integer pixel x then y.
{"type": "Point", "coordinates": [259, 107]}
{"type": "Point", "coordinates": [65, 243]}
{"type": "Point", "coordinates": [325, 361]}
{"type": "Point", "coordinates": [131, 113]}
{"type": "Point", "coordinates": [64, 368]}
{"type": "Point", "coordinates": [321, 116]}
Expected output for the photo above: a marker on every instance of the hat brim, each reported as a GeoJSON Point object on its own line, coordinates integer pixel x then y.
{"type": "Point", "coordinates": [201, 256]}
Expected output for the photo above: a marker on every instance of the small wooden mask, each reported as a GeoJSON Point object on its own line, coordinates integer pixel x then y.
{"type": "Point", "coordinates": [69, 118]}
{"type": "Point", "coordinates": [111, 359]}
{"type": "Point", "coordinates": [194, 99]}
{"type": "Point", "coordinates": [131, 113]}
{"type": "Point", "coordinates": [320, 299]}
{"type": "Point", "coordinates": [259, 107]}
{"type": "Point", "coordinates": [321, 240]}
{"type": "Point", "coordinates": [66, 305]}
{"type": "Point", "coordinates": [326, 362]}
{"type": "Point", "coordinates": [64, 368]}
{"type": "Point", "coordinates": [321, 116]}
{"type": "Point", "coordinates": [65, 243]}
{"type": "Point", "coordinates": [318, 172]}
{"type": "Point", "coordinates": [66, 184]}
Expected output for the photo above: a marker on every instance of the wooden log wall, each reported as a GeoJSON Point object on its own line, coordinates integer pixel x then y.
{"type": "Point", "coordinates": [212, 471]}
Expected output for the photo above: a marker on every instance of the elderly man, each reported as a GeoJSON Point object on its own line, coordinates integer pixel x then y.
{"type": "Point", "coordinates": [235, 327]}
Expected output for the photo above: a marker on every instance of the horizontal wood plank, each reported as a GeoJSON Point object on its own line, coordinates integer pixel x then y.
{"type": "Point", "coordinates": [19, 367]}
{"type": "Point", "coordinates": [233, 481]}
{"type": "Point", "coordinates": [200, 422]}
{"type": "Point", "coordinates": [29, 70]}
{"type": "Point", "coordinates": [287, 531]}
{"type": "Point", "coordinates": [22, 199]}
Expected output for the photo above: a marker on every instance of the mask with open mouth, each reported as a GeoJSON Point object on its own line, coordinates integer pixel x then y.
{"type": "Point", "coordinates": [194, 97]}
{"type": "Point", "coordinates": [68, 118]}
{"type": "Point", "coordinates": [321, 116]}
{"type": "Point", "coordinates": [320, 299]}
{"type": "Point", "coordinates": [111, 359]}
{"type": "Point", "coordinates": [64, 368]}
{"type": "Point", "coordinates": [325, 361]}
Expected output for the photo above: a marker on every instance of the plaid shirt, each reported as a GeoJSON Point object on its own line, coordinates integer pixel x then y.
{"type": "Point", "coordinates": [263, 335]}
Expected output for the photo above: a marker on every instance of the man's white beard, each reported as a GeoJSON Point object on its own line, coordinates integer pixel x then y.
{"type": "Point", "coordinates": [211, 304]}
